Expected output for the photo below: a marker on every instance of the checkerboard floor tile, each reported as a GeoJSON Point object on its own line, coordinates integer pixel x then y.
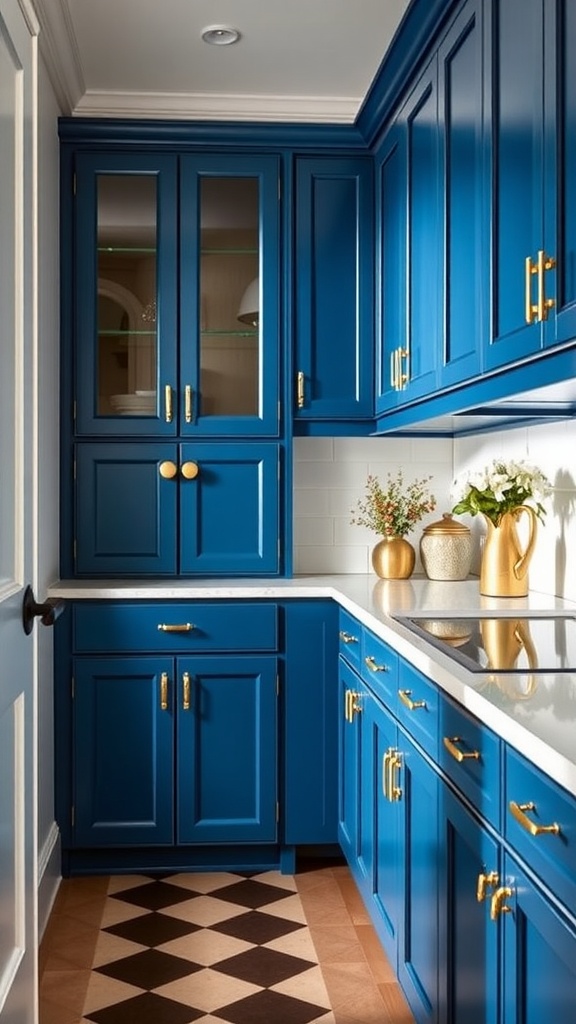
{"type": "Point", "coordinates": [217, 948]}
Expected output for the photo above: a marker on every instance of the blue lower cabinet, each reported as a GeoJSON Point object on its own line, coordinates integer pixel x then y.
{"type": "Point", "coordinates": [227, 749]}
{"type": "Point", "coordinates": [381, 810]}
{"type": "Point", "coordinates": [470, 866]}
{"type": "Point", "coordinates": [175, 751]}
{"type": "Point", "coordinates": [351, 694]}
{"type": "Point", "coordinates": [123, 751]}
{"type": "Point", "coordinates": [539, 979]}
{"type": "Point", "coordinates": [310, 703]}
{"type": "Point", "coordinates": [162, 509]}
{"type": "Point", "coordinates": [415, 787]}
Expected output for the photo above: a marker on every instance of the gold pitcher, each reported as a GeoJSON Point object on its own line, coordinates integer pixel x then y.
{"type": "Point", "coordinates": [504, 569]}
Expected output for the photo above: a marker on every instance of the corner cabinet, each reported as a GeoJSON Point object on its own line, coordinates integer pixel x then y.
{"type": "Point", "coordinates": [174, 341]}
{"type": "Point", "coordinates": [334, 291]}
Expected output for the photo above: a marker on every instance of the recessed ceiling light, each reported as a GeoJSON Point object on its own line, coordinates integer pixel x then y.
{"type": "Point", "coordinates": [220, 35]}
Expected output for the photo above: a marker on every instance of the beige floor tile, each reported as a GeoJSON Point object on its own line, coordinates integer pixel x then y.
{"type": "Point", "coordinates": [297, 943]}
{"type": "Point", "coordinates": [309, 985]}
{"type": "Point", "coordinates": [113, 947]}
{"type": "Point", "coordinates": [289, 908]}
{"type": "Point", "coordinates": [320, 910]}
{"type": "Point", "coordinates": [207, 990]}
{"type": "Point", "coordinates": [104, 991]}
{"type": "Point", "coordinates": [204, 911]}
{"type": "Point", "coordinates": [206, 881]}
{"type": "Point", "coordinates": [205, 947]}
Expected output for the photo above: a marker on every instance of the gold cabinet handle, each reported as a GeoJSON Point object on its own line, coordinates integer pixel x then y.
{"type": "Point", "coordinates": [168, 404]}
{"type": "Point", "coordinates": [485, 882]}
{"type": "Point", "coordinates": [518, 813]}
{"type": "Point", "coordinates": [300, 389]}
{"type": "Point", "coordinates": [168, 470]}
{"type": "Point", "coordinates": [394, 764]}
{"type": "Point", "coordinates": [385, 776]}
{"type": "Point", "coordinates": [459, 755]}
{"type": "Point", "coordinates": [373, 665]}
{"type": "Point", "coordinates": [186, 691]}
{"type": "Point", "coordinates": [181, 627]}
{"type": "Point", "coordinates": [397, 371]}
{"type": "Point", "coordinates": [412, 705]}
{"type": "Point", "coordinates": [190, 470]}
{"type": "Point", "coordinates": [393, 370]}
{"type": "Point", "coordinates": [347, 638]}
{"type": "Point", "coordinates": [403, 376]}
{"type": "Point", "coordinates": [544, 305]}
{"type": "Point", "coordinates": [355, 705]}
{"type": "Point", "coordinates": [347, 705]}
{"type": "Point", "coordinates": [188, 403]}
{"type": "Point", "coordinates": [497, 904]}
{"type": "Point", "coordinates": [164, 691]}
{"type": "Point", "coordinates": [530, 309]}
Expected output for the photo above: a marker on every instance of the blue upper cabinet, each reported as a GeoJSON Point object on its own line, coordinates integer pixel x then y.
{"type": "Point", "coordinates": [534, 198]}
{"type": "Point", "coordinates": [177, 295]}
{"type": "Point", "coordinates": [334, 308]}
{"type": "Point", "coordinates": [432, 208]}
{"type": "Point", "coordinates": [465, 177]}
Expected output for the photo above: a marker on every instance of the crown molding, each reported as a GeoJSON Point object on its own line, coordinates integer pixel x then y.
{"type": "Point", "coordinates": [59, 50]}
{"type": "Point", "coordinates": [218, 106]}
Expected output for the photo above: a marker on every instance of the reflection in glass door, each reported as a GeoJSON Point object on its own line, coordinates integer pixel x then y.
{"type": "Point", "coordinates": [127, 363]}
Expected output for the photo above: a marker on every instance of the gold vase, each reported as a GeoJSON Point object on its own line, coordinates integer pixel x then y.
{"type": "Point", "coordinates": [393, 558]}
{"type": "Point", "coordinates": [504, 569]}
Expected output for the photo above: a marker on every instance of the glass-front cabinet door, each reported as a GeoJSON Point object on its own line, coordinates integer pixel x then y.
{"type": "Point", "coordinates": [229, 301]}
{"type": "Point", "coordinates": [177, 314]}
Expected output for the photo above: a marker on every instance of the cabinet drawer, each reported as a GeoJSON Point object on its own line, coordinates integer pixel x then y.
{"type": "Point", "coordinates": [416, 707]}
{"type": "Point", "coordinates": [541, 804]}
{"type": "Point", "coordinates": [379, 667]}
{"type": "Point", "coordinates": [349, 639]}
{"type": "Point", "coordinates": [190, 626]}
{"type": "Point", "coordinates": [469, 754]}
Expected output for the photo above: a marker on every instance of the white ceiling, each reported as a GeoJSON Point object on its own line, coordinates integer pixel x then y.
{"type": "Point", "coordinates": [297, 60]}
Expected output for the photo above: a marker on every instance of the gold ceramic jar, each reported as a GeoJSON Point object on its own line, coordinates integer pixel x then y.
{"type": "Point", "coordinates": [446, 549]}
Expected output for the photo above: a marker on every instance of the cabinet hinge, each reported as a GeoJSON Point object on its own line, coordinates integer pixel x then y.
{"type": "Point", "coordinates": [74, 410]}
{"type": "Point", "coordinates": [74, 469]}
{"type": "Point", "coordinates": [72, 815]}
{"type": "Point", "coordinates": [279, 190]}
{"type": "Point", "coordinates": [277, 810]}
{"type": "Point", "coordinates": [277, 685]}
{"type": "Point", "coordinates": [74, 184]}
{"type": "Point", "coordinates": [74, 550]}
{"type": "Point", "coordinates": [73, 687]}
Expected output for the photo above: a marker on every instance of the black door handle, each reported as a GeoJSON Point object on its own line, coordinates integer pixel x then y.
{"type": "Point", "coordinates": [48, 612]}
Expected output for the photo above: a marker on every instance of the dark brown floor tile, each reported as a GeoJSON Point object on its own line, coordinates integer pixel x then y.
{"type": "Point", "coordinates": [153, 929]}
{"type": "Point", "coordinates": [146, 1009]}
{"type": "Point", "coordinates": [264, 967]}
{"type": "Point", "coordinates": [256, 926]}
{"type": "Point", "coordinates": [266, 1006]}
{"type": "Point", "coordinates": [149, 969]}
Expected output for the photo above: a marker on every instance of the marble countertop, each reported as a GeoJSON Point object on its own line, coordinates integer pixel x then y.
{"type": "Point", "coordinates": [535, 713]}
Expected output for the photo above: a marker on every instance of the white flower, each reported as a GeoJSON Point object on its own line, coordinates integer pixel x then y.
{"type": "Point", "coordinates": [501, 487]}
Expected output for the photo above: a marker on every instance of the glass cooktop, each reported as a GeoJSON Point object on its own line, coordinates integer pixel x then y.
{"type": "Point", "coordinates": [522, 643]}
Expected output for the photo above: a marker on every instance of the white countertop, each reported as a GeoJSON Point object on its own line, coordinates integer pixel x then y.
{"type": "Point", "coordinates": [541, 725]}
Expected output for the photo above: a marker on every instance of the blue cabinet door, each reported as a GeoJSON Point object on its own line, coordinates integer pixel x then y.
{"type": "Point", "coordinates": [227, 749]}
{"type": "Point", "coordinates": [123, 753]}
{"type": "Point", "coordinates": [539, 979]}
{"type": "Point", "coordinates": [350, 694]}
{"type": "Point", "coordinates": [334, 288]}
{"type": "Point", "coordinates": [124, 325]}
{"type": "Point", "coordinates": [418, 954]}
{"type": "Point", "coordinates": [518, 183]}
{"type": "Point", "coordinates": [125, 512]}
{"type": "Point", "coordinates": [381, 810]}
{"type": "Point", "coordinates": [230, 240]}
{"type": "Point", "coordinates": [392, 268]}
{"type": "Point", "coordinates": [229, 512]}
{"type": "Point", "coordinates": [469, 940]}
{"type": "Point", "coordinates": [560, 167]}
{"type": "Point", "coordinates": [311, 722]}
{"type": "Point", "coordinates": [466, 182]}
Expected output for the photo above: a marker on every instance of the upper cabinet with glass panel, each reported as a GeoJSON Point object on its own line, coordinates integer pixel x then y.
{"type": "Point", "coordinates": [177, 317]}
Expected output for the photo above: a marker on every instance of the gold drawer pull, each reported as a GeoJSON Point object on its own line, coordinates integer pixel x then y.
{"type": "Point", "coordinates": [186, 691]}
{"type": "Point", "coordinates": [459, 755]}
{"type": "Point", "coordinates": [518, 813]}
{"type": "Point", "coordinates": [182, 627]}
{"type": "Point", "coordinates": [188, 403]}
{"type": "Point", "coordinates": [300, 383]}
{"type": "Point", "coordinates": [530, 308]}
{"type": "Point", "coordinates": [164, 691]}
{"type": "Point", "coordinates": [485, 882]}
{"type": "Point", "coordinates": [412, 705]}
{"type": "Point", "coordinates": [497, 904]}
{"type": "Point", "coordinates": [168, 404]}
{"type": "Point", "coordinates": [373, 665]}
{"type": "Point", "coordinates": [347, 638]}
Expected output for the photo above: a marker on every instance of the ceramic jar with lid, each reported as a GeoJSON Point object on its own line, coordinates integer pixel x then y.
{"type": "Point", "coordinates": [446, 549]}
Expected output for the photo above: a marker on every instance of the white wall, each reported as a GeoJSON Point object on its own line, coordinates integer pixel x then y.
{"type": "Point", "coordinates": [552, 447]}
{"type": "Point", "coordinates": [47, 475]}
{"type": "Point", "coordinates": [329, 477]}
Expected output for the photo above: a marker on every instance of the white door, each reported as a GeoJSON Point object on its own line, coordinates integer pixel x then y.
{"type": "Point", "coordinates": [18, 859]}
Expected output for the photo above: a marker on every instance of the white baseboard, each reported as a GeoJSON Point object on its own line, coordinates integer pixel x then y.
{"type": "Point", "coordinates": [49, 877]}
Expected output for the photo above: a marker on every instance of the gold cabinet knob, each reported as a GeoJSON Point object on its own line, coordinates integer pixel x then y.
{"type": "Point", "coordinates": [189, 470]}
{"type": "Point", "coordinates": [168, 470]}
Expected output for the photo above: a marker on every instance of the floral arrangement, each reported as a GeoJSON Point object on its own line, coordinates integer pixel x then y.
{"type": "Point", "coordinates": [501, 487]}
{"type": "Point", "coordinates": [394, 510]}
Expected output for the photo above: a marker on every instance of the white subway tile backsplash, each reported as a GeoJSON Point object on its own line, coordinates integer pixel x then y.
{"type": "Point", "coordinates": [310, 530]}
{"type": "Point", "coordinates": [314, 449]}
{"type": "Point", "coordinates": [325, 560]}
